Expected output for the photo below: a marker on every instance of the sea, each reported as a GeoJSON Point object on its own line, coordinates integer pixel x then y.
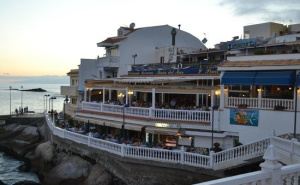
{"type": "Point", "coordinates": [35, 101]}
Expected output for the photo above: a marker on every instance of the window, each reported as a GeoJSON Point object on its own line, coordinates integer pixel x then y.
{"type": "Point", "coordinates": [115, 74]}
{"type": "Point", "coordinates": [100, 74]}
{"type": "Point", "coordinates": [114, 52]}
{"type": "Point", "coordinates": [162, 60]}
{"type": "Point", "coordinates": [72, 82]}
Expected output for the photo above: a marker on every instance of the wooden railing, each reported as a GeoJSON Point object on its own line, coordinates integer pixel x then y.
{"type": "Point", "coordinates": [259, 103]}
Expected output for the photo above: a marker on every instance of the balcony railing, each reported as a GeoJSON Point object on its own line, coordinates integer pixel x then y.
{"type": "Point", "coordinates": [168, 114]}
{"type": "Point", "coordinates": [262, 103]}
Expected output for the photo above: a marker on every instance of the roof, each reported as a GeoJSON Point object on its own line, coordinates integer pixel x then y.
{"type": "Point", "coordinates": [73, 71]}
{"type": "Point", "coordinates": [113, 40]}
{"type": "Point", "coordinates": [286, 62]}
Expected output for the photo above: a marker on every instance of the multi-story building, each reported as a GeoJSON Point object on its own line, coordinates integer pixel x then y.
{"type": "Point", "coordinates": [187, 95]}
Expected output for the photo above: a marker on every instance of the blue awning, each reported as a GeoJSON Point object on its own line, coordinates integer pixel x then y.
{"type": "Point", "coordinates": [298, 80]}
{"type": "Point", "coordinates": [275, 78]}
{"type": "Point", "coordinates": [238, 78]}
{"type": "Point", "coordinates": [80, 90]}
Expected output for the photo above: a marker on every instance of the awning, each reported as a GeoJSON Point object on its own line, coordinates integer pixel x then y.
{"type": "Point", "coordinates": [81, 90]}
{"type": "Point", "coordinates": [133, 127]}
{"type": "Point", "coordinates": [163, 131]}
{"type": "Point", "coordinates": [108, 123]}
{"type": "Point", "coordinates": [238, 78]}
{"type": "Point", "coordinates": [298, 80]}
{"type": "Point", "coordinates": [275, 78]}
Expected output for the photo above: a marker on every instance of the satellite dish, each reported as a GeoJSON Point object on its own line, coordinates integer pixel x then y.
{"type": "Point", "coordinates": [132, 25]}
{"type": "Point", "coordinates": [204, 40]}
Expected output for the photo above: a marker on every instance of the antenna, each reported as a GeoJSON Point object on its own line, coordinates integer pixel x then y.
{"type": "Point", "coordinates": [132, 25]}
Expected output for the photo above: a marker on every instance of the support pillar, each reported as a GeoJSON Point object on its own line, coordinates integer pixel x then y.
{"type": "Point", "coordinates": [153, 98]}
{"type": "Point", "coordinates": [103, 94]}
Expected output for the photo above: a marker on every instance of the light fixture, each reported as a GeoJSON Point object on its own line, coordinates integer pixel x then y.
{"type": "Point", "coordinates": [130, 92]}
{"type": "Point", "coordinates": [121, 95]}
{"type": "Point", "coordinates": [190, 138]}
{"type": "Point", "coordinates": [259, 90]}
{"type": "Point", "coordinates": [100, 92]}
{"type": "Point", "coordinates": [217, 92]}
{"type": "Point", "coordinates": [290, 88]}
{"type": "Point", "coordinates": [278, 88]}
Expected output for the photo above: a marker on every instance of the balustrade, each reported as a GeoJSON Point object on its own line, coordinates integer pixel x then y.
{"type": "Point", "coordinates": [260, 103]}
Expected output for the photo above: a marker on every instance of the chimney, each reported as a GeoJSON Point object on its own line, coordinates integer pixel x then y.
{"type": "Point", "coordinates": [173, 33]}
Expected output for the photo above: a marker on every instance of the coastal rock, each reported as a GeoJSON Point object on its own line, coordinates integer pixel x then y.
{"type": "Point", "coordinates": [98, 175]}
{"type": "Point", "coordinates": [45, 151]}
{"type": "Point", "coordinates": [18, 139]}
{"type": "Point", "coordinates": [69, 170]}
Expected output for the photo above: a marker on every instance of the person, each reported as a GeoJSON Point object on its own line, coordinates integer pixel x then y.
{"type": "Point", "coordinates": [173, 103]}
{"type": "Point", "coordinates": [17, 112]}
{"type": "Point", "coordinates": [97, 135]}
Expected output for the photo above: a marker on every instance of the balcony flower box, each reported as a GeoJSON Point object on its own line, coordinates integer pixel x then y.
{"type": "Point", "coordinates": [242, 106]}
{"type": "Point", "coordinates": [279, 107]}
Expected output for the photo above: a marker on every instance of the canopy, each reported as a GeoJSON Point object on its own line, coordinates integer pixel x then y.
{"type": "Point", "coordinates": [275, 78]}
{"type": "Point", "coordinates": [259, 78]}
{"type": "Point", "coordinates": [238, 78]}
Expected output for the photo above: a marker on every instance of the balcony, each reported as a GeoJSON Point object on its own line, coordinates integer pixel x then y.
{"type": "Point", "coordinates": [110, 61]}
{"type": "Point", "coordinates": [174, 117]}
{"type": "Point", "coordinates": [260, 103]}
{"type": "Point", "coordinates": [69, 90]}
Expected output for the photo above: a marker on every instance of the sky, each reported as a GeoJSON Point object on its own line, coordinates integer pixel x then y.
{"type": "Point", "coordinates": [49, 37]}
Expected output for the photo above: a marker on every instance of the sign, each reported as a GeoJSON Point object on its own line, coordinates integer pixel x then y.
{"type": "Point", "coordinates": [248, 117]}
{"type": "Point", "coordinates": [241, 43]}
{"type": "Point", "coordinates": [204, 71]}
{"type": "Point", "coordinates": [162, 125]}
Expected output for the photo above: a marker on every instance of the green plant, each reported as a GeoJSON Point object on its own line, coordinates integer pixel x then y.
{"type": "Point", "coordinates": [259, 52]}
{"type": "Point", "coordinates": [279, 107]}
{"type": "Point", "coordinates": [242, 106]}
{"type": "Point", "coordinates": [216, 145]}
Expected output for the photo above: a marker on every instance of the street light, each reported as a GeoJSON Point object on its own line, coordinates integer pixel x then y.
{"type": "Point", "coordinates": [66, 100]}
{"type": "Point", "coordinates": [52, 98]}
{"type": "Point", "coordinates": [45, 105]}
{"type": "Point", "coordinates": [134, 56]}
{"type": "Point", "coordinates": [10, 101]}
{"type": "Point", "coordinates": [22, 96]}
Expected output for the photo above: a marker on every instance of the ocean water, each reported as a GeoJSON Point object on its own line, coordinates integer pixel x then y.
{"type": "Point", "coordinates": [9, 173]}
{"type": "Point", "coordinates": [35, 101]}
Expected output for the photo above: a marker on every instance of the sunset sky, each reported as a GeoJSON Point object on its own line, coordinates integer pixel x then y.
{"type": "Point", "coordinates": [49, 37]}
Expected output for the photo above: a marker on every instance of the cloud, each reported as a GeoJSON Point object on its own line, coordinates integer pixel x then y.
{"type": "Point", "coordinates": [265, 10]}
{"type": "Point", "coordinates": [5, 74]}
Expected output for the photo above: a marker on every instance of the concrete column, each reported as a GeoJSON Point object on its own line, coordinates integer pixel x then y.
{"type": "Point", "coordinates": [126, 95]}
{"type": "Point", "coordinates": [212, 97]}
{"type": "Point", "coordinates": [259, 97]}
{"type": "Point", "coordinates": [197, 100]}
{"type": "Point", "coordinates": [162, 98]}
{"type": "Point", "coordinates": [85, 94]}
{"type": "Point", "coordinates": [153, 98]}
{"type": "Point", "coordinates": [271, 165]}
{"type": "Point", "coordinates": [103, 94]}
{"type": "Point", "coordinates": [222, 96]}
{"type": "Point", "coordinates": [109, 94]}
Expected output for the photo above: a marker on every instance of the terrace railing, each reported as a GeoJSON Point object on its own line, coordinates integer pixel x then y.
{"type": "Point", "coordinates": [169, 114]}
{"type": "Point", "coordinates": [219, 160]}
{"type": "Point", "coordinates": [259, 103]}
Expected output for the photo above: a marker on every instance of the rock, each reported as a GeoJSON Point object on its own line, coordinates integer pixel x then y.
{"type": "Point", "coordinates": [18, 139]}
{"type": "Point", "coordinates": [2, 183]}
{"type": "Point", "coordinates": [98, 175]}
{"type": "Point", "coordinates": [25, 182]}
{"type": "Point", "coordinates": [45, 151]}
{"type": "Point", "coordinates": [70, 170]}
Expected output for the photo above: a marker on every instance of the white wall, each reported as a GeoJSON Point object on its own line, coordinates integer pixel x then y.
{"type": "Point", "coordinates": [144, 42]}
{"type": "Point", "coordinates": [281, 121]}
{"type": "Point", "coordinates": [87, 68]}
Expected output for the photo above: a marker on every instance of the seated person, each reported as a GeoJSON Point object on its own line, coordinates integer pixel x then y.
{"type": "Point", "coordinates": [97, 135]}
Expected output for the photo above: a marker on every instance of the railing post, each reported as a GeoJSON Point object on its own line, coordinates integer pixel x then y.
{"type": "Point", "coordinates": [182, 155]}
{"type": "Point", "coordinates": [89, 139]}
{"type": "Point", "coordinates": [293, 141]}
{"type": "Point", "coordinates": [150, 112]}
{"type": "Point", "coordinates": [123, 150]}
{"type": "Point", "coordinates": [211, 159]}
{"type": "Point", "coordinates": [271, 165]}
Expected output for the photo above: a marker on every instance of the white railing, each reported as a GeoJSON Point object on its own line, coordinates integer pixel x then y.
{"type": "Point", "coordinates": [289, 148]}
{"type": "Point", "coordinates": [236, 101]}
{"type": "Point", "coordinates": [169, 114]}
{"type": "Point", "coordinates": [215, 160]}
{"type": "Point", "coordinates": [263, 103]}
{"type": "Point", "coordinates": [272, 173]}
{"type": "Point", "coordinates": [240, 153]}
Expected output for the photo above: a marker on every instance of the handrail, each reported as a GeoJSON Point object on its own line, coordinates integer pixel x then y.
{"type": "Point", "coordinates": [171, 156]}
{"type": "Point", "coordinates": [169, 114]}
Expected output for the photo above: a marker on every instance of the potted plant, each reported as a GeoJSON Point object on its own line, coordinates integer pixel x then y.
{"type": "Point", "coordinates": [279, 107]}
{"type": "Point", "coordinates": [242, 106]}
{"type": "Point", "coordinates": [217, 147]}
